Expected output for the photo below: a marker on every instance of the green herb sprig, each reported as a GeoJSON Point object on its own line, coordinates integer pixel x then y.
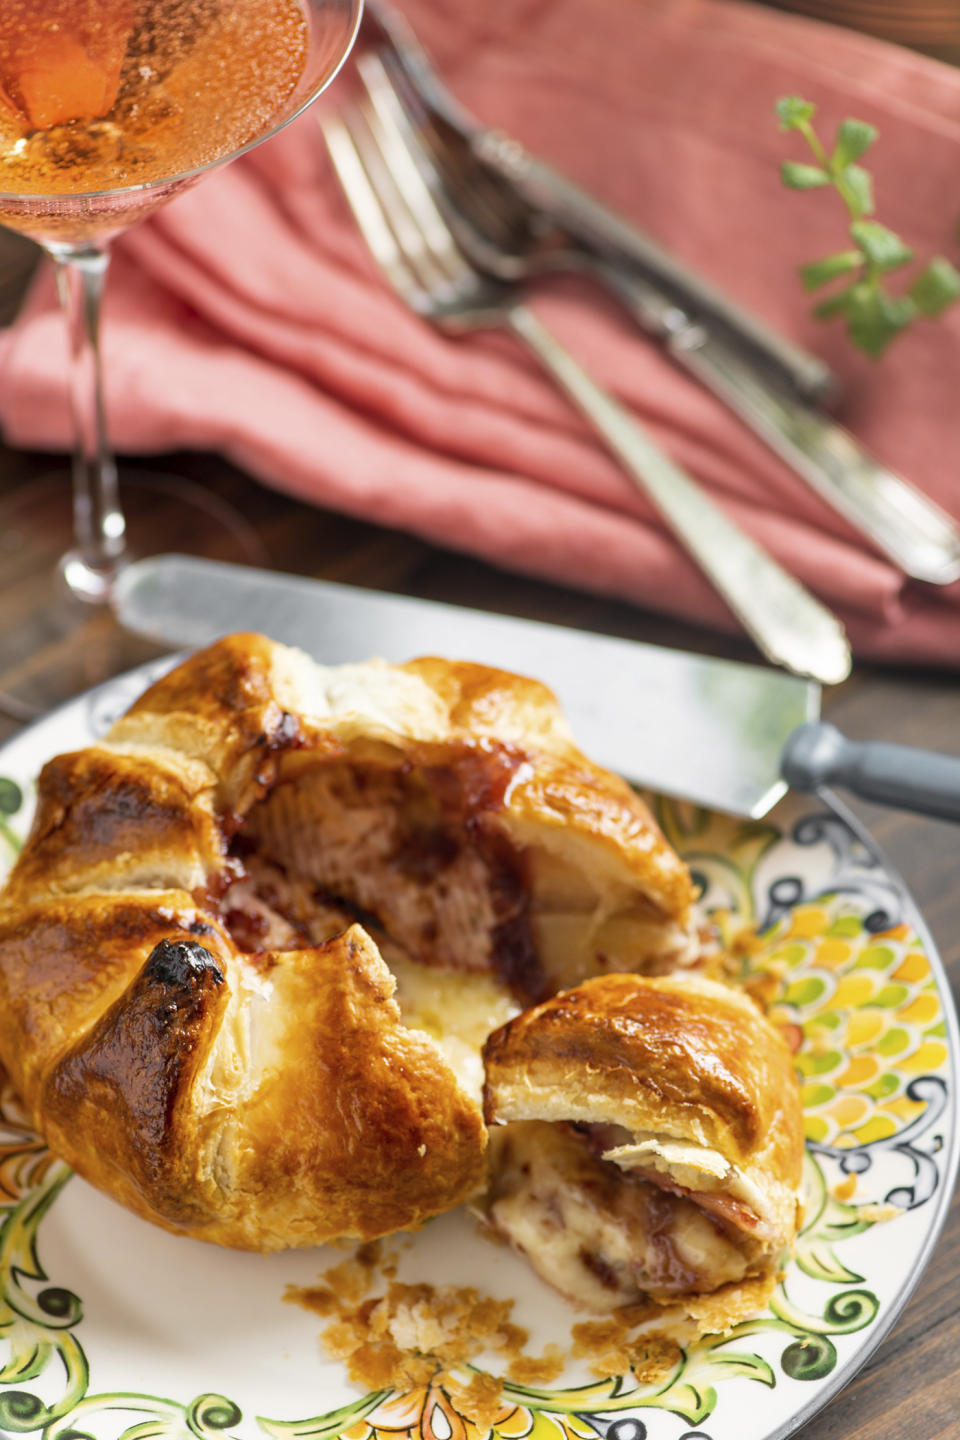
{"type": "Point", "coordinates": [874, 316]}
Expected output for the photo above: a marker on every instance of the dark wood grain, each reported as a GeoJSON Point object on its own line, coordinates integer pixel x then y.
{"type": "Point", "coordinates": [910, 1389]}
{"type": "Point", "coordinates": [931, 26]}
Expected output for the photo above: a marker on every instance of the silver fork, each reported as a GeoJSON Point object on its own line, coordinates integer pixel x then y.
{"type": "Point", "coordinates": [536, 219]}
{"type": "Point", "coordinates": [416, 251]}
{"type": "Point", "coordinates": [489, 189]}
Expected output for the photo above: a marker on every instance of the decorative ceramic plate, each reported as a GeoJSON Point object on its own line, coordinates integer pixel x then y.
{"type": "Point", "coordinates": [112, 1329]}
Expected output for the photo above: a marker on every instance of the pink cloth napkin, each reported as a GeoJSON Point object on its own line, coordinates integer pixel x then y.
{"type": "Point", "coordinates": [246, 316]}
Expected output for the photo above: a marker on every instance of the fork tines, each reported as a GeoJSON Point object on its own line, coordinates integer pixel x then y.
{"type": "Point", "coordinates": [370, 147]}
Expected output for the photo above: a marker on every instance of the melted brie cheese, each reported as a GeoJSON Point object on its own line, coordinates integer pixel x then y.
{"type": "Point", "coordinates": [457, 1010]}
{"type": "Point", "coordinates": [602, 1238]}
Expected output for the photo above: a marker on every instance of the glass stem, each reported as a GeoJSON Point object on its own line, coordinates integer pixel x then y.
{"type": "Point", "coordinates": [91, 568]}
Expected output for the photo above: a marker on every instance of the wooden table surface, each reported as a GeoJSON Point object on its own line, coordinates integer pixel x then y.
{"type": "Point", "coordinates": [910, 1388]}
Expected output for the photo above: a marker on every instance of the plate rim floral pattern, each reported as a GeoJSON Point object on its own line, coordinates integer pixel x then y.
{"type": "Point", "coordinates": [608, 1405]}
{"type": "Point", "coordinates": [948, 1177]}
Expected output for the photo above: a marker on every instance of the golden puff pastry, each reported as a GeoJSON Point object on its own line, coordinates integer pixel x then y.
{"type": "Point", "coordinates": [651, 1140]}
{"type": "Point", "coordinates": [186, 1003]}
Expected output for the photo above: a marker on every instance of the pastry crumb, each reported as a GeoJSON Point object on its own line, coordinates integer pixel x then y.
{"type": "Point", "coordinates": [319, 1299]}
{"type": "Point", "coordinates": [351, 1280]}
{"type": "Point", "coordinates": [591, 1336]}
{"type": "Point", "coordinates": [719, 1312]}
{"type": "Point", "coordinates": [410, 1336]}
{"type": "Point", "coordinates": [480, 1401]}
{"type": "Point", "coordinates": [747, 941]}
{"type": "Point", "coordinates": [877, 1214]}
{"type": "Point", "coordinates": [538, 1369]}
{"type": "Point", "coordinates": [655, 1359]}
{"type": "Point", "coordinates": [611, 1346]}
{"type": "Point", "coordinates": [846, 1189]}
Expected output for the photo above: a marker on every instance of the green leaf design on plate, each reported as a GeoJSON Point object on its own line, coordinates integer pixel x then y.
{"type": "Point", "coordinates": [893, 1042]}
{"type": "Point", "coordinates": [321, 1427]}
{"type": "Point", "coordinates": [210, 1415]}
{"type": "Point", "coordinates": [819, 1262]}
{"type": "Point", "coordinates": [843, 1314]}
{"type": "Point", "coordinates": [875, 957]}
{"type": "Point", "coordinates": [11, 796]}
{"type": "Point", "coordinates": [846, 927]}
{"type": "Point", "coordinates": [11, 799]}
{"type": "Point", "coordinates": [806, 991]}
{"type": "Point", "coordinates": [809, 1358]}
{"type": "Point", "coordinates": [166, 1419]}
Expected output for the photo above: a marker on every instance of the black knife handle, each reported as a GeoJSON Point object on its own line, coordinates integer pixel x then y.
{"type": "Point", "coordinates": [919, 780]}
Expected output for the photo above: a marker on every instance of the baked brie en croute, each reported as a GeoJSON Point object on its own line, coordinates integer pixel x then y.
{"type": "Point", "coordinates": [187, 1004]}
{"type": "Point", "coordinates": [647, 1140]}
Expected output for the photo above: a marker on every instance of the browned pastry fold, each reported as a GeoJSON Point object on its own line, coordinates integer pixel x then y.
{"type": "Point", "coordinates": [186, 1005]}
{"type": "Point", "coordinates": [652, 1139]}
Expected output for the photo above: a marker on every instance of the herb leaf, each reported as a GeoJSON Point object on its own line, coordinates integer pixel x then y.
{"type": "Point", "coordinates": [818, 272]}
{"type": "Point", "coordinates": [874, 318]}
{"type": "Point", "coordinates": [873, 315]}
{"type": "Point", "coordinates": [803, 177]}
{"type": "Point", "coordinates": [794, 112]}
{"type": "Point", "coordinates": [854, 137]}
{"type": "Point", "coordinates": [856, 187]}
{"type": "Point", "coordinates": [935, 288]}
{"type": "Point", "coordinates": [837, 304]}
{"type": "Point", "coordinates": [881, 246]}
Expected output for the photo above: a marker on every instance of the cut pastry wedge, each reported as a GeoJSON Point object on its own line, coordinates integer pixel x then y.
{"type": "Point", "coordinates": [647, 1140]}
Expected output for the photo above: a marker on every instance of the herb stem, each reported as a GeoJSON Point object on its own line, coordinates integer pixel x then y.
{"type": "Point", "coordinates": [813, 140]}
{"type": "Point", "coordinates": [873, 313]}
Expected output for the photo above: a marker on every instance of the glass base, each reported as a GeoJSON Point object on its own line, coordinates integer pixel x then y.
{"type": "Point", "coordinates": [53, 644]}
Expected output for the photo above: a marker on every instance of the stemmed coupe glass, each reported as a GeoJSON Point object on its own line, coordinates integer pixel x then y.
{"type": "Point", "coordinates": [108, 109]}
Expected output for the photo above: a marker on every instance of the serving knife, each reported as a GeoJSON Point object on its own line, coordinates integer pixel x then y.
{"type": "Point", "coordinates": [724, 734]}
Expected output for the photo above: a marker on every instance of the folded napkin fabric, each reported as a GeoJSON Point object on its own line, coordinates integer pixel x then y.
{"type": "Point", "coordinates": [246, 316]}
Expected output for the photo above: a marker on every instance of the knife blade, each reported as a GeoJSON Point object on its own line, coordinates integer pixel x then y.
{"type": "Point", "coordinates": [718, 732]}
{"type": "Point", "coordinates": [720, 745]}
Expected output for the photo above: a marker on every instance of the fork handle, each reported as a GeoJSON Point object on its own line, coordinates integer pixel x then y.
{"type": "Point", "coordinates": [790, 626]}
{"type": "Point", "coordinates": [631, 252]}
{"type": "Point", "coordinates": [919, 537]}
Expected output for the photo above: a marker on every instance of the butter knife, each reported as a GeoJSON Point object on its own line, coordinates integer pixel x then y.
{"type": "Point", "coordinates": [725, 734]}
{"type": "Point", "coordinates": [908, 527]}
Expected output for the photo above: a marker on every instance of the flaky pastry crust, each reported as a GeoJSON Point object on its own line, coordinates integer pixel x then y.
{"type": "Point", "coordinates": [270, 1095]}
{"type": "Point", "coordinates": [678, 1081]}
